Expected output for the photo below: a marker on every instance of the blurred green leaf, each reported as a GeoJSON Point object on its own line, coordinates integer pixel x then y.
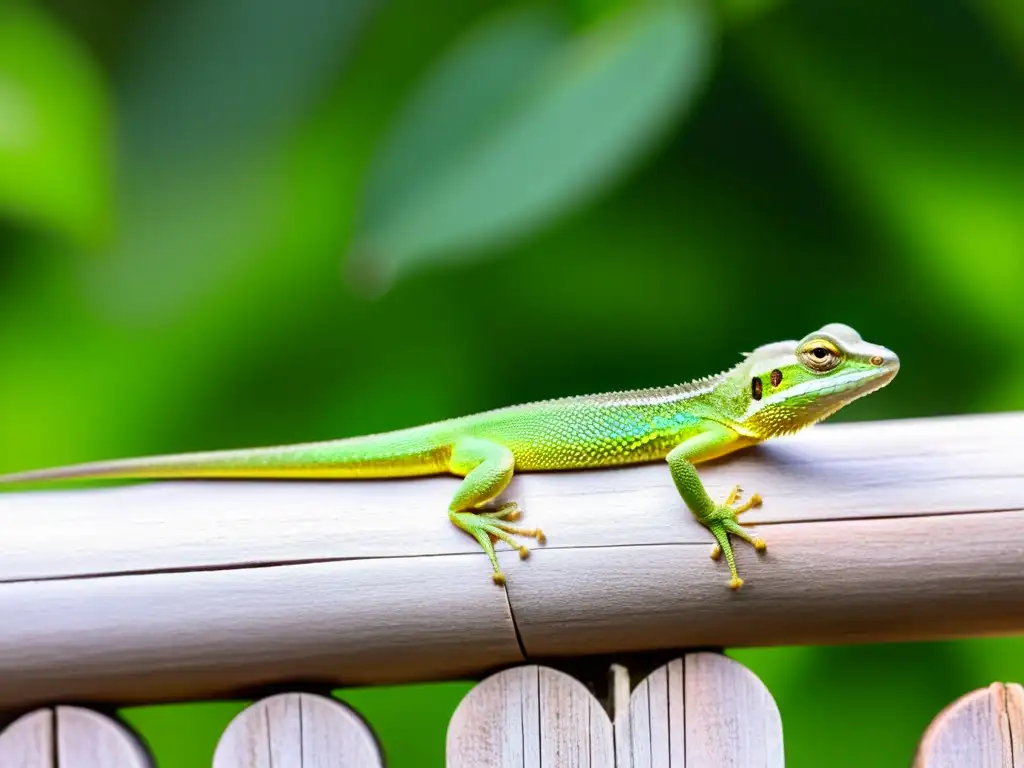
{"type": "Point", "coordinates": [742, 11]}
{"type": "Point", "coordinates": [54, 128]}
{"type": "Point", "coordinates": [520, 123]}
{"type": "Point", "coordinates": [217, 93]}
{"type": "Point", "coordinates": [215, 77]}
{"type": "Point", "coordinates": [212, 266]}
{"type": "Point", "coordinates": [1006, 20]}
{"type": "Point", "coordinates": [924, 145]}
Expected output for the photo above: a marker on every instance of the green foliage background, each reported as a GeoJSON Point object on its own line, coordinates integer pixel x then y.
{"type": "Point", "coordinates": [228, 223]}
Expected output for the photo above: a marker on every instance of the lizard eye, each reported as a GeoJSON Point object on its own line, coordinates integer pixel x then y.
{"type": "Point", "coordinates": [820, 356]}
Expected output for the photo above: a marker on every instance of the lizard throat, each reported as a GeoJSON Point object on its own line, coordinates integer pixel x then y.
{"type": "Point", "coordinates": [811, 402]}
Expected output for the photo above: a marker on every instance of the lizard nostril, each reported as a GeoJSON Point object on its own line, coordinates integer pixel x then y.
{"type": "Point", "coordinates": [876, 360]}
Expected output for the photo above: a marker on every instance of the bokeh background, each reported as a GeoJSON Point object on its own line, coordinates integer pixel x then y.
{"type": "Point", "coordinates": [240, 222]}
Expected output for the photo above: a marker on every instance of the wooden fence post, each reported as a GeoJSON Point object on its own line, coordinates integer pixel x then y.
{"type": "Point", "coordinates": [70, 737]}
{"type": "Point", "coordinates": [983, 729]}
{"type": "Point", "coordinates": [701, 711]}
{"type": "Point", "coordinates": [530, 717]}
{"type": "Point", "coordinates": [301, 730]}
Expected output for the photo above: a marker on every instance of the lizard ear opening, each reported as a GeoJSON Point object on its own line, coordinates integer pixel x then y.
{"type": "Point", "coordinates": [756, 388]}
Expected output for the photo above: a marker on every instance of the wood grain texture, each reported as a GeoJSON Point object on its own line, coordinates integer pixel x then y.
{"type": "Point", "coordinates": [82, 738]}
{"type": "Point", "coordinates": [302, 730]}
{"type": "Point", "coordinates": [202, 634]}
{"type": "Point", "coordinates": [651, 731]}
{"type": "Point", "coordinates": [530, 717]}
{"type": "Point", "coordinates": [731, 718]}
{"type": "Point", "coordinates": [161, 591]}
{"type": "Point", "coordinates": [1015, 721]}
{"type": "Point", "coordinates": [847, 581]}
{"type": "Point", "coordinates": [701, 711]}
{"type": "Point", "coordinates": [983, 729]}
{"type": "Point", "coordinates": [28, 741]}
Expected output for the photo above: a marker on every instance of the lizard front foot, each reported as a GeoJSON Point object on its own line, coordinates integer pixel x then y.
{"type": "Point", "coordinates": [722, 522]}
{"type": "Point", "coordinates": [486, 526]}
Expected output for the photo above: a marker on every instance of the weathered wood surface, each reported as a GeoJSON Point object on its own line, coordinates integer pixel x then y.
{"type": "Point", "coordinates": [983, 729]}
{"type": "Point", "coordinates": [700, 711]}
{"type": "Point", "coordinates": [69, 737]}
{"type": "Point", "coordinates": [300, 730]}
{"type": "Point", "coordinates": [530, 717]}
{"type": "Point", "coordinates": [704, 710]}
{"type": "Point", "coordinates": [159, 591]}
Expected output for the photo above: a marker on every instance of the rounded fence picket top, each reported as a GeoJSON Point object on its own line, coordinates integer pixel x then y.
{"type": "Point", "coordinates": [299, 730]}
{"type": "Point", "coordinates": [702, 711]}
{"type": "Point", "coordinates": [982, 729]}
{"type": "Point", "coordinates": [530, 717]}
{"type": "Point", "coordinates": [70, 737]}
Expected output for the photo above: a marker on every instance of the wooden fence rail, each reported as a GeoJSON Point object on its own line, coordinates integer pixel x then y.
{"type": "Point", "coordinates": [181, 591]}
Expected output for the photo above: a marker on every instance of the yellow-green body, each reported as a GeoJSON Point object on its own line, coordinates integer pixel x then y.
{"type": "Point", "coordinates": [777, 389]}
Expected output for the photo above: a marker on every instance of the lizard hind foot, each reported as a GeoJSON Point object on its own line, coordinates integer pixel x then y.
{"type": "Point", "coordinates": [486, 527]}
{"type": "Point", "coordinates": [722, 523]}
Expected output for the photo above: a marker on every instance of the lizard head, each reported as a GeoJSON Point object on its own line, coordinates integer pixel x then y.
{"type": "Point", "coordinates": [782, 387]}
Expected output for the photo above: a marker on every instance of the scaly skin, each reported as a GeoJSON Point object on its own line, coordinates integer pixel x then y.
{"type": "Point", "coordinates": [777, 389]}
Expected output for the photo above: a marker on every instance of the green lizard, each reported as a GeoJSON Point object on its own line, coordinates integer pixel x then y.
{"type": "Point", "coordinates": [777, 389]}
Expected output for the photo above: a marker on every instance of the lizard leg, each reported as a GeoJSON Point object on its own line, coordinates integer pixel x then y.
{"type": "Point", "coordinates": [487, 468]}
{"type": "Point", "coordinates": [720, 519]}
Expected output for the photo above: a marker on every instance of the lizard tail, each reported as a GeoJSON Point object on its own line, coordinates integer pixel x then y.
{"type": "Point", "coordinates": [404, 453]}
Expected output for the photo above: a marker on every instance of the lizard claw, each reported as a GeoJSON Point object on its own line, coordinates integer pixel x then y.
{"type": "Point", "coordinates": [734, 496]}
